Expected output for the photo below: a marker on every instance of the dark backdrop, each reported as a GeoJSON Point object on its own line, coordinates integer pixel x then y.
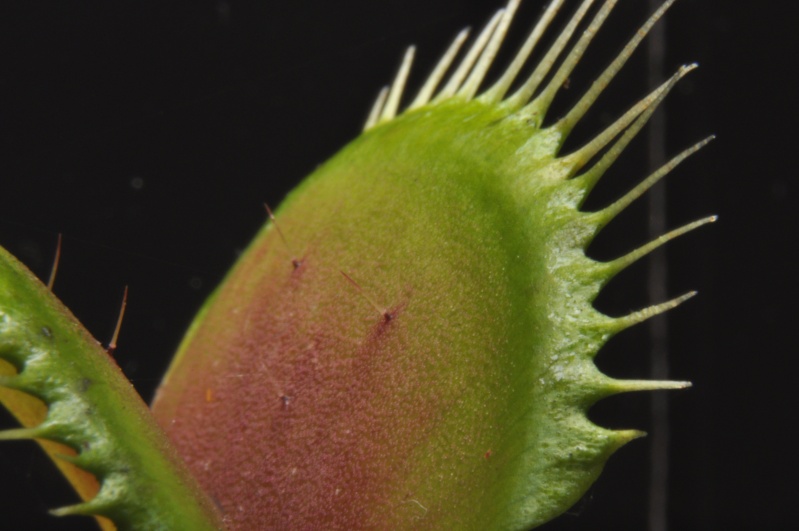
{"type": "Point", "coordinates": [149, 134]}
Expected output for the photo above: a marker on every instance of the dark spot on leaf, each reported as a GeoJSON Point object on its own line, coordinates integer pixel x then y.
{"type": "Point", "coordinates": [84, 385]}
{"type": "Point", "coordinates": [217, 503]}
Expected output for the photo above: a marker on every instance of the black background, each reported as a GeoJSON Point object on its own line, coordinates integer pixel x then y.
{"type": "Point", "coordinates": [150, 133]}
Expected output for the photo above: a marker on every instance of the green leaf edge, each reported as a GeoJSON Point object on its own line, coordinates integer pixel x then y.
{"type": "Point", "coordinates": [93, 409]}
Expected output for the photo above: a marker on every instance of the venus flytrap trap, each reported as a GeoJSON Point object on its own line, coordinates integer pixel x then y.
{"type": "Point", "coordinates": [408, 343]}
{"type": "Point", "coordinates": [93, 411]}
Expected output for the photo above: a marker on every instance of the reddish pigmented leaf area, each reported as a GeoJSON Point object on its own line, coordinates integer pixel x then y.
{"type": "Point", "coordinates": [298, 403]}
